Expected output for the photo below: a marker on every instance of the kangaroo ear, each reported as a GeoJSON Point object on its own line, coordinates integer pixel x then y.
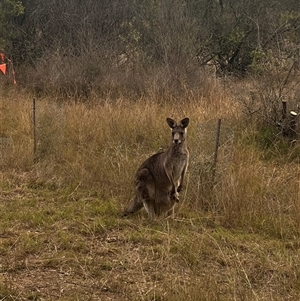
{"type": "Point", "coordinates": [171, 123]}
{"type": "Point", "coordinates": [184, 122]}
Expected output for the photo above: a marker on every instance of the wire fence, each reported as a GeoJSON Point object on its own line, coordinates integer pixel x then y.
{"type": "Point", "coordinates": [210, 154]}
{"type": "Point", "coordinates": [49, 121]}
{"type": "Point", "coordinates": [4, 148]}
{"type": "Point", "coordinates": [210, 157]}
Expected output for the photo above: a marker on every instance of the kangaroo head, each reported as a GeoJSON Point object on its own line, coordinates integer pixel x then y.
{"type": "Point", "coordinates": [178, 129]}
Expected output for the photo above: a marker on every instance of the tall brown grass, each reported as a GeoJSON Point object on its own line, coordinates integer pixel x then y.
{"type": "Point", "coordinates": [235, 235]}
{"type": "Point", "coordinates": [96, 147]}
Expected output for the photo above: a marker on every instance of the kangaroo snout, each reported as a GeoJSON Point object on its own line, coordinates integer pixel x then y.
{"type": "Point", "coordinates": [176, 138]}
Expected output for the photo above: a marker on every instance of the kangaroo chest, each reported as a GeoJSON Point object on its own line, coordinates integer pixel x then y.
{"type": "Point", "coordinates": [176, 166]}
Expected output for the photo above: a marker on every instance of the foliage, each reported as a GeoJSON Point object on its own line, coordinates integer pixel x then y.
{"type": "Point", "coordinates": [9, 9]}
{"type": "Point", "coordinates": [105, 47]}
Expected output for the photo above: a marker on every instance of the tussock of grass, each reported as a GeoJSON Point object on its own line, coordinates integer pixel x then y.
{"type": "Point", "coordinates": [234, 236]}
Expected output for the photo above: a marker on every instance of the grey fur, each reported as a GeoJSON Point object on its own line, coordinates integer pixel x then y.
{"type": "Point", "coordinates": [159, 179]}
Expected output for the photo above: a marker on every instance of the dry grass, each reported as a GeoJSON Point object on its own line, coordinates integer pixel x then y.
{"type": "Point", "coordinates": [61, 235]}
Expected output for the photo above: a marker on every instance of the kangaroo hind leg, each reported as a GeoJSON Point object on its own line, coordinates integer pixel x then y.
{"type": "Point", "coordinates": [144, 191]}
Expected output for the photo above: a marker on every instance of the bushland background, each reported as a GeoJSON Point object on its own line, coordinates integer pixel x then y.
{"type": "Point", "coordinates": [104, 76]}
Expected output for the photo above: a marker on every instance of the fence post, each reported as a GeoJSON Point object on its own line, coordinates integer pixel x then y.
{"type": "Point", "coordinates": [216, 149]}
{"type": "Point", "coordinates": [284, 109]}
{"type": "Point", "coordinates": [34, 129]}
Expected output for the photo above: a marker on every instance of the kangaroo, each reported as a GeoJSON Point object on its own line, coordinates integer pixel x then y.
{"type": "Point", "coordinates": [159, 179]}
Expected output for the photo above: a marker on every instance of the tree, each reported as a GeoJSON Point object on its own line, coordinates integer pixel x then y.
{"type": "Point", "coordinates": [9, 10]}
{"type": "Point", "coordinates": [232, 32]}
{"type": "Point", "coordinates": [109, 43]}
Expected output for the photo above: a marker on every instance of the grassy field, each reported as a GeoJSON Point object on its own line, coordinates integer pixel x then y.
{"type": "Point", "coordinates": [233, 237]}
